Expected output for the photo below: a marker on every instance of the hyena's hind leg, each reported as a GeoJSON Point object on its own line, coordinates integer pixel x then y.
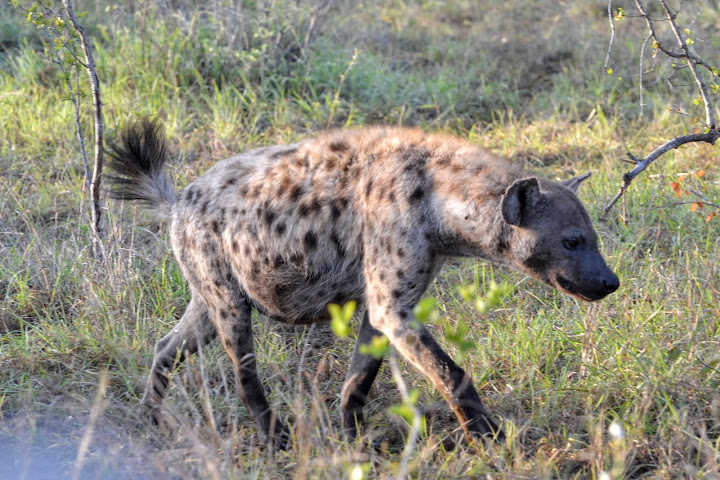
{"type": "Point", "coordinates": [230, 313]}
{"type": "Point", "coordinates": [235, 332]}
{"type": "Point", "coordinates": [360, 377]}
{"type": "Point", "coordinates": [192, 331]}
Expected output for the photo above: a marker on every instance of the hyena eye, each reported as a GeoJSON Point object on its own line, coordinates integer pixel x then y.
{"type": "Point", "coordinates": [571, 243]}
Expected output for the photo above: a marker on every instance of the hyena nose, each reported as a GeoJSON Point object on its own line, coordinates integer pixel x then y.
{"type": "Point", "coordinates": [611, 283]}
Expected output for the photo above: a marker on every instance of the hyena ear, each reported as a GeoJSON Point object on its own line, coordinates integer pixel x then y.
{"type": "Point", "coordinates": [520, 196]}
{"type": "Point", "coordinates": [574, 183]}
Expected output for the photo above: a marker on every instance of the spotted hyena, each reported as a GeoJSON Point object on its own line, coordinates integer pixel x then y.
{"type": "Point", "coordinates": [364, 214]}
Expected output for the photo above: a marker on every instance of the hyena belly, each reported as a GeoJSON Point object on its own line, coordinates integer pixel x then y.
{"type": "Point", "coordinates": [279, 228]}
{"type": "Point", "coordinates": [289, 282]}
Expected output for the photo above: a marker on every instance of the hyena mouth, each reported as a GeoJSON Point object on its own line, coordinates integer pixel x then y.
{"type": "Point", "coordinates": [565, 285]}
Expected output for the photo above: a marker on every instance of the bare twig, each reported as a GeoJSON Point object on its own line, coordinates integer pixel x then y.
{"type": "Point", "coordinates": [641, 164]}
{"type": "Point", "coordinates": [691, 62]}
{"type": "Point", "coordinates": [612, 34]}
{"type": "Point", "coordinates": [642, 70]}
{"type": "Point", "coordinates": [710, 136]}
{"type": "Point", "coordinates": [415, 427]}
{"type": "Point", "coordinates": [75, 98]}
{"type": "Point", "coordinates": [692, 59]}
{"type": "Point", "coordinates": [671, 53]}
{"type": "Point", "coordinates": [68, 48]}
{"type": "Point", "coordinates": [705, 200]}
{"type": "Point", "coordinates": [54, 36]}
{"type": "Point", "coordinates": [95, 211]}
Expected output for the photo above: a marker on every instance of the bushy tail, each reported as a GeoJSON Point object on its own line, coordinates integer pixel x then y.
{"type": "Point", "coordinates": [137, 164]}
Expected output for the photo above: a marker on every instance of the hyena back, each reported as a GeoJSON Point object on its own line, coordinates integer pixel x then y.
{"type": "Point", "coordinates": [367, 215]}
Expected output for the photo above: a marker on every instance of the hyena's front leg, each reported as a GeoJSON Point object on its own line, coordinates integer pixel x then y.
{"type": "Point", "coordinates": [193, 330]}
{"type": "Point", "coordinates": [419, 348]}
{"type": "Point", "coordinates": [393, 288]}
{"type": "Point", "coordinates": [360, 376]}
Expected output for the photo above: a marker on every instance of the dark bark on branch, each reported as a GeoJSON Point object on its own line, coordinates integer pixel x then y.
{"type": "Point", "coordinates": [640, 165]}
{"type": "Point", "coordinates": [95, 210]}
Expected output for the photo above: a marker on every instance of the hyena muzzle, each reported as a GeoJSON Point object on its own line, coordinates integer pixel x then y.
{"type": "Point", "coordinates": [360, 214]}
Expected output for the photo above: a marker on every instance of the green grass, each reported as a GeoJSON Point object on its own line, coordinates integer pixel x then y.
{"type": "Point", "coordinates": [527, 83]}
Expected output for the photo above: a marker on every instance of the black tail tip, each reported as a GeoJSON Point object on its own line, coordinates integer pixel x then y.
{"type": "Point", "coordinates": [140, 149]}
{"type": "Point", "coordinates": [137, 154]}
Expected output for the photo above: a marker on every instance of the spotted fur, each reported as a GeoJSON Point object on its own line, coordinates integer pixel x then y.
{"type": "Point", "coordinates": [360, 214]}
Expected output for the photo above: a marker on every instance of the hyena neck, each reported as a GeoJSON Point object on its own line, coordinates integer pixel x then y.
{"type": "Point", "coordinates": [468, 204]}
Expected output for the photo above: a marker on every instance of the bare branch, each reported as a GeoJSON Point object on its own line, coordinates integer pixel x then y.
{"type": "Point", "coordinates": [70, 50]}
{"type": "Point", "coordinates": [709, 137]}
{"type": "Point", "coordinates": [691, 61]}
{"type": "Point", "coordinates": [642, 70]}
{"type": "Point", "coordinates": [705, 200]}
{"type": "Point", "coordinates": [663, 49]}
{"type": "Point", "coordinates": [653, 33]}
{"type": "Point", "coordinates": [612, 34]}
{"type": "Point", "coordinates": [75, 98]}
{"type": "Point", "coordinates": [96, 212]}
{"type": "Point", "coordinates": [415, 427]}
{"type": "Point", "coordinates": [709, 68]}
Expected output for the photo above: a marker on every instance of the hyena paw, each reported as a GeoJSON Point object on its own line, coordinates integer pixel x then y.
{"type": "Point", "coordinates": [281, 438]}
{"type": "Point", "coordinates": [151, 413]}
{"type": "Point", "coordinates": [485, 429]}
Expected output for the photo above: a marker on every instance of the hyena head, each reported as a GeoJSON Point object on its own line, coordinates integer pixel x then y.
{"type": "Point", "coordinates": [553, 240]}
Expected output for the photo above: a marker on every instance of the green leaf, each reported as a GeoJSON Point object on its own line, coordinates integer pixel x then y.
{"type": "Point", "coordinates": [349, 309]}
{"type": "Point", "coordinates": [467, 292]}
{"type": "Point", "coordinates": [482, 306]}
{"type": "Point", "coordinates": [407, 410]}
{"type": "Point", "coordinates": [424, 308]}
{"type": "Point", "coordinates": [339, 328]}
{"type": "Point", "coordinates": [495, 296]}
{"type": "Point", "coordinates": [340, 318]}
{"type": "Point", "coordinates": [377, 348]}
{"type": "Point", "coordinates": [689, 41]}
{"type": "Point", "coordinates": [460, 339]}
{"type": "Point", "coordinates": [403, 410]}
